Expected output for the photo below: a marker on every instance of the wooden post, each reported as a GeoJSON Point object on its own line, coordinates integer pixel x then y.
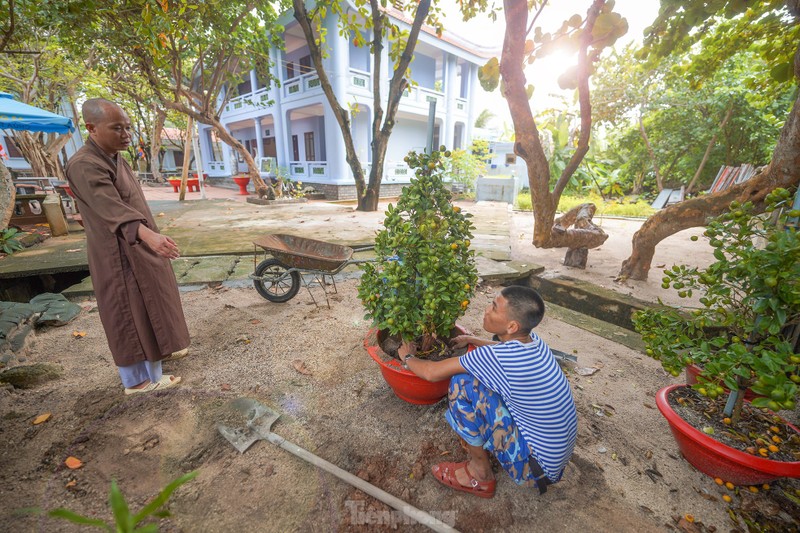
{"type": "Point", "coordinates": [187, 152]}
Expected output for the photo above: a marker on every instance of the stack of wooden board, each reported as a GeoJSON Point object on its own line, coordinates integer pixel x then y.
{"type": "Point", "coordinates": [729, 176]}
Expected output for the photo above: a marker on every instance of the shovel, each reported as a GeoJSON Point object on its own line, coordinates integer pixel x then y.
{"type": "Point", "coordinates": [259, 423]}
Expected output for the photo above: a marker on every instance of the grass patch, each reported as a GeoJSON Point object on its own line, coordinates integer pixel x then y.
{"type": "Point", "coordinates": [621, 207]}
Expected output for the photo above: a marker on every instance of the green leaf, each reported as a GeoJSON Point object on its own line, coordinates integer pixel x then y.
{"type": "Point", "coordinates": [163, 497]}
{"type": "Point", "coordinates": [75, 518]}
{"type": "Point", "coordinates": [122, 515]}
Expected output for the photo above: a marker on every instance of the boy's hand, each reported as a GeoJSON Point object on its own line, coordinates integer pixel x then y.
{"type": "Point", "coordinates": [405, 349]}
{"type": "Point", "coordinates": [461, 341]}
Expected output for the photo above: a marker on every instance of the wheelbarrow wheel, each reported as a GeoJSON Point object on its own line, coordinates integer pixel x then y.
{"type": "Point", "coordinates": [276, 283]}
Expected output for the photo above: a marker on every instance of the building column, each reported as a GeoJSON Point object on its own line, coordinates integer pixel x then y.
{"type": "Point", "coordinates": [339, 73]}
{"type": "Point", "coordinates": [472, 78]}
{"type": "Point", "coordinates": [253, 81]}
{"type": "Point", "coordinates": [226, 155]}
{"type": "Point", "coordinates": [259, 139]}
{"type": "Point", "coordinates": [450, 93]}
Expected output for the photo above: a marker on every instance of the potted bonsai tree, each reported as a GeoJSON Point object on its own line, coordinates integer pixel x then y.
{"type": "Point", "coordinates": [423, 279]}
{"type": "Point", "coordinates": [743, 335]}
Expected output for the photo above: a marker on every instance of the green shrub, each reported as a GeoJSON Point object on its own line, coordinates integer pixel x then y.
{"type": "Point", "coordinates": [9, 242]}
{"type": "Point", "coordinates": [425, 273]}
{"type": "Point", "coordinates": [749, 295]}
{"type": "Point", "coordinates": [638, 208]}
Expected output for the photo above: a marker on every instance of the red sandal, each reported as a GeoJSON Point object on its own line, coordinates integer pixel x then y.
{"type": "Point", "coordinates": [445, 473]}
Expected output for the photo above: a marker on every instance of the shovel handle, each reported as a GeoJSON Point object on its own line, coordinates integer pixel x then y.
{"type": "Point", "coordinates": [409, 510]}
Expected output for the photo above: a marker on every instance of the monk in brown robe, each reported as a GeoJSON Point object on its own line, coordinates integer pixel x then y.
{"type": "Point", "coordinates": [129, 260]}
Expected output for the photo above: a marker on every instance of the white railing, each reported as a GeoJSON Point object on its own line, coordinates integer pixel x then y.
{"type": "Point", "coordinates": [396, 172]}
{"type": "Point", "coordinates": [216, 168]}
{"type": "Point", "coordinates": [260, 99]}
{"type": "Point", "coordinates": [301, 84]}
{"type": "Point", "coordinates": [360, 79]}
{"type": "Point", "coordinates": [308, 170]}
{"type": "Point", "coordinates": [422, 96]}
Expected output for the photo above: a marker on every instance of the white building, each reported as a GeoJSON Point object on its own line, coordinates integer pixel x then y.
{"type": "Point", "coordinates": [295, 125]}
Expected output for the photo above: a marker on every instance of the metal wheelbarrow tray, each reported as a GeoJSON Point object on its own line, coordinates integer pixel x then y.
{"type": "Point", "coordinates": [278, 279]}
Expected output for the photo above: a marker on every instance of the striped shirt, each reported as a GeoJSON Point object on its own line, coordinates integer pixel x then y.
{"type": "Point", "coordinates": [536, 393]}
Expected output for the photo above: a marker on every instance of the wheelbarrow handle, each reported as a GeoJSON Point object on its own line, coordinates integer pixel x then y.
{"type": "Point", "coordinates": [409, 510]}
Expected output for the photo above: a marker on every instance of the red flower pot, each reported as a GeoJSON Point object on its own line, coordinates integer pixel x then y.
{"type": "Point", "coordinates": [242, 182]}
{"type": "Point", "coordinates": [405, 384]}
{"type": "Point", "coordinates": [718, 460]}
{"type": "Point", "coordinates": [692, 371]}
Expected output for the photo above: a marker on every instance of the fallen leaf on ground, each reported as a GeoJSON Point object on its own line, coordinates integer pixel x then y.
{"type": "Point", "coordinates": [255, 321]}
{"type": "Point", "coordinates": [73, 250]}
{"type": "Point", "coordinates": [73, 462]}
{"type": "Point", "coordinates": [301, 367]}
{"type": "Point", "coordinates": [160, 214]}
{"type": "Point", "coordinates": [78, 334]}
{"type": "Point", "coordinates": [41, 418]}
{"type": "Point", "coordinates": [71, 484]}
{"type": "Point", "coordinates": [226, 386]}
{"type": "Point", "coordinates": [584, 371]}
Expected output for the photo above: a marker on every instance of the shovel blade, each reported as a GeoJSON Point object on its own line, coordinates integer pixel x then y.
{"type": "Point", "coordinates": [241, 439]}
{"type": "Point", "coordinates": [259, 419]}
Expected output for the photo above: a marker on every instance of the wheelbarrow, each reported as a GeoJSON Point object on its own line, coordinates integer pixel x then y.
{"type": "Point", "coordinates": [294, 259]}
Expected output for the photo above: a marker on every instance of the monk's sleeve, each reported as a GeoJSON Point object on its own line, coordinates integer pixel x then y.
{"type": "Point", "coordinates": [94, 186]}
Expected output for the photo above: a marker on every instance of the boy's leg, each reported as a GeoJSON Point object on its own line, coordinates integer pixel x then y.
{"type": "Point", "coordinates": [479, 416]}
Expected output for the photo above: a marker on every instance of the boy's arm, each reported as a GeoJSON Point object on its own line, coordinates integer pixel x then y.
{"type": "Point", "coordinates": [462, 340]}
{"type": "Point", "coordinates": [429, 370]}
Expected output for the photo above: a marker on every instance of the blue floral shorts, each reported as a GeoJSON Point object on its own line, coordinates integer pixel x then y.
{"type": "Point", "coordinates": [479, 416]}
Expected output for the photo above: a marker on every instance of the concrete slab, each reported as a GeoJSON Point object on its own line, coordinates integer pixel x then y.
{"type": "Point", "coordinates": [495, 271]}
{"type": "Point", "coordinates": [208, 270]}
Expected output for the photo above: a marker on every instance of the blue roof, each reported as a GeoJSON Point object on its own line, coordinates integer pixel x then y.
{"type": "Point", "coordinates": [15, 115]}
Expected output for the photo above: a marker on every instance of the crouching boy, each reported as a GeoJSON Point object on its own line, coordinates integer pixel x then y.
{"type": "Point", "coordinates": [509, 398]}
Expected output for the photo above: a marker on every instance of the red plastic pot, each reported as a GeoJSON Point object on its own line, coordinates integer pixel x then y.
{"type": "Point", "coordinates": [718, 460]}
{"type": "Point", "coordinates": [242, 182]}
{"type": "Point", "coordinates": [692, 371]}
{"type": "Point", "coordinates": [405, 384]}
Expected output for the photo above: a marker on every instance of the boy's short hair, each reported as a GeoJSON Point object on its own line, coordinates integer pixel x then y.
{"type": "Point", "coordinates": [525, 306]}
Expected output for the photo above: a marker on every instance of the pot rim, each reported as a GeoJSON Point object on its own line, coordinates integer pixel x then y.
{"type": "Point", "coordinates": [392, 364]}
{"type": "Point", "coordinates": [771, 466]}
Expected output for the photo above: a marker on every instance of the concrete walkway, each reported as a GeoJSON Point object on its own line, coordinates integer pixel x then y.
{"type": "Point", "coordinates": [215, 236]}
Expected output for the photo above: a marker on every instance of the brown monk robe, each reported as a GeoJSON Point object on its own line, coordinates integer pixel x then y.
{"type": "Point", "coordinates": [137, 294]}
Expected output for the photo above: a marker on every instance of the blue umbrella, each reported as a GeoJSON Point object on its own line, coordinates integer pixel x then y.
{"type": "Point", "coordinates": [15, 115]}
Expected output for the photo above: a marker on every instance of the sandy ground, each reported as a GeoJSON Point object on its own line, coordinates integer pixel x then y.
{"type": "Point", "coordinates": [626, 473]}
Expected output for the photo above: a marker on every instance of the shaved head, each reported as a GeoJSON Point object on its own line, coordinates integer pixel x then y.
{"type": "Point", "coordinates": [95, 110]}
{"type": "Point", "coordinates": [108, 124]}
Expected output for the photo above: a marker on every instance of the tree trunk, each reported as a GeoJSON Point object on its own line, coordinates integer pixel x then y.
{"type": "Point", "coordinates": [187, 152]}
{"type": "Point", "coordinates": [783, 171]}
{"type": "Point", "coordinates": [710, 146]}
{"type": "Point", "coordinates": [652, 154]}
{"type": "Point", "coordinates": [528, 145]}
{"type": "Point", "coordinates": [381, 128]}
{"type": "Point", "coordinates": [7, 195]}
{"type": "Point", "coordinates": [155, 143]}
{"type": "Point", "coordinates": [42, 158]}
{"type": "Point", "coordinates": [585, 235]}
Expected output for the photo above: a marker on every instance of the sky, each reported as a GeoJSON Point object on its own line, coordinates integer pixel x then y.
{"type": "Point", "coordinates": [481, 30]}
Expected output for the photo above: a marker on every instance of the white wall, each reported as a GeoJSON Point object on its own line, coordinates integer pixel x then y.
{"type": "Point", "coordinates": [407, 135]}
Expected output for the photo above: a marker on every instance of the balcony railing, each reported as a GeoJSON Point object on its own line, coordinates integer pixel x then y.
{"type": "Point", "coordinates": [422, 96]}
{"type": "Point", "coordinates": [360, 80]}
{"type": "Point", "coordinates": [260, 99]}
{"type": "Point", "coordinates": [301, 84]}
